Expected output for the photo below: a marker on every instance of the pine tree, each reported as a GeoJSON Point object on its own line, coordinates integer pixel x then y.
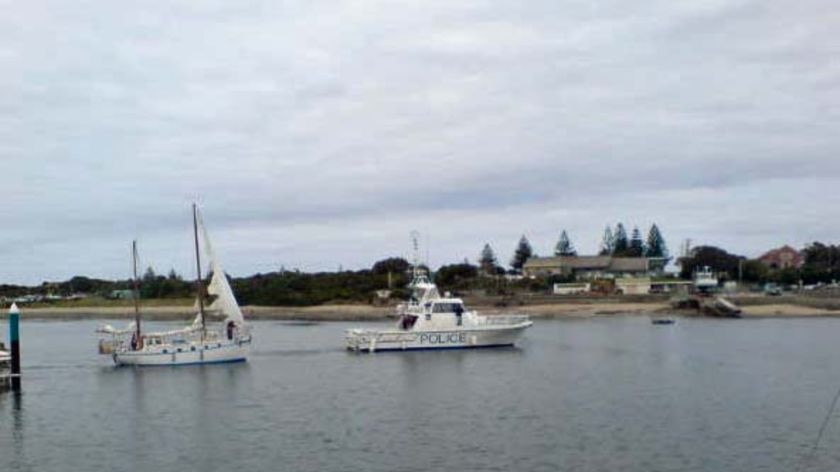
{"type": "Point", "coordinates": [656, 243]}
{"type": "Point", "coordinates": [637, 246]}
{"type": "Point", "coordinates": [608, 243]}
{"type": "Point", "coordinates": [564, 246]}
{"type": "Point", "coordinates": [487, 260]}
{"type": "Point", "coordinates": [620, 243]}
{"type": "Point", "coordinates": [523, 253]}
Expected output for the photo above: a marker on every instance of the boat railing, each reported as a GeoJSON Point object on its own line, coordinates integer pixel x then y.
{"type": "Point", "coordinates": [244, 330]}
{"type": "Point", "coordinates": [110, 346]}
{"type": "Point", "coordinates": [502, 320]}
{"type": "Point", "coordinates": [357, 338]}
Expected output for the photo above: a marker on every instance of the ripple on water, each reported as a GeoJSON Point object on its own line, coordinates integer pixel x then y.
{"type": "Point", "coordinates": [596, 394]}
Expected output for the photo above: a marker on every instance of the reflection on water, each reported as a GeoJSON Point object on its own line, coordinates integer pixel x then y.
{"type": "Point", "coordinates": [18, 444]}
{"type": "Point", "coordinates": [597, 394]}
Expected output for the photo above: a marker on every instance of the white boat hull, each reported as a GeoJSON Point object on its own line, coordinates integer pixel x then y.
{"type": "Point", "coordinates": [186, 354]}
{"type": "Point", "coordinates": [468, 338]}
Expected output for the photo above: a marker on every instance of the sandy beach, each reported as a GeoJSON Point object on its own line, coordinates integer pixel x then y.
{"type": "Point", "coordinates": [186, 313]}
{"type": "Point", "coordinates": [786, 310]}
{"type": "Point", "coordinates": [579, 310]}
{"type": "Point", "coordinates": [350, 312]}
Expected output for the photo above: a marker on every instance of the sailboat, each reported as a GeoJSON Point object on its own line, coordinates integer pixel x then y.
{"type": "Point", "coordinates": [202, 342]}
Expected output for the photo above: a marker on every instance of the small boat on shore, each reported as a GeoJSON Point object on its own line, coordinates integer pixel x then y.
{"type": "Point", "coordinates": [719, 306]}
{"type": "Point", "coordinates": [431, 321]}
{"type": "Point", "coordinates": [707, 305]}
{"type": "Point", "coordinates": [198, 343]}
{"type": "Point", "coordinates": [705, 280]}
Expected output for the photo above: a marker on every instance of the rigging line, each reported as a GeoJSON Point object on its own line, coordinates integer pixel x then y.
{"type": "Point", "coordinates": [816, 446]}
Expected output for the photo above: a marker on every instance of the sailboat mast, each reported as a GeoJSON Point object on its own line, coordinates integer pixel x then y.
{"type": "Point", "coordinates": [136, 290]}
{"type": "Point", "coordinates": [198, 285]}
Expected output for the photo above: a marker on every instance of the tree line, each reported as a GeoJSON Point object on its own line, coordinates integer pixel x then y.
{"type": "Point", "coordinates": [614, 243]}
{"type": "Point", "coordinates": [821, 264]}
{"type": "Point", "coordinates": [296, 288]}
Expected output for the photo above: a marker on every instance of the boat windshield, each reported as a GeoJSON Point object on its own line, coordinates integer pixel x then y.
{"type": "Point", "coordinates": [448, 308]}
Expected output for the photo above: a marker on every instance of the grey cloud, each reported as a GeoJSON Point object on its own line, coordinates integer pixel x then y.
{"type": "Point", "coordinates": [316, 134]}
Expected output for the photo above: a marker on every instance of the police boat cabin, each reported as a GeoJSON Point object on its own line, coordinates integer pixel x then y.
{"type": "Point", "coordinates": [431, 321]}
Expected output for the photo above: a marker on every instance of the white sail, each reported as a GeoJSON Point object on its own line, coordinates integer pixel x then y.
{"type": "Point", "coordinates": [224, 302]}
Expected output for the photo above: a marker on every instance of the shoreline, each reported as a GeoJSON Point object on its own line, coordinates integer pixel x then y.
{"type": "Point", "coordinates": [559, 310]}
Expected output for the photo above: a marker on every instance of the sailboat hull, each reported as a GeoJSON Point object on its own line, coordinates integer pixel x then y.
{"type": "Point", "coordinates": [186, 354]}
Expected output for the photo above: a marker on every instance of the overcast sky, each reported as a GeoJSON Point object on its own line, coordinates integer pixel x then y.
{"type": "Point", "coordinates": [319, 134]}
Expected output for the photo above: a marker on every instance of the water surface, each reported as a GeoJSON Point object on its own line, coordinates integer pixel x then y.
{"type": "Point", "coordinates": [607, 393]}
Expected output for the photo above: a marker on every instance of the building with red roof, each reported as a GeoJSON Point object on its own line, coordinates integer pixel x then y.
{"type": "Point", "coordinates": [784, 257]}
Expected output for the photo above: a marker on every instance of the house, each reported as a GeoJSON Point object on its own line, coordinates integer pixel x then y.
{"type": "Point", "coordinates": [591, 267]}
{"type": "Point", "coordinates": [784, 257]}
{"type": "Point", "coordinates": [633, 285]}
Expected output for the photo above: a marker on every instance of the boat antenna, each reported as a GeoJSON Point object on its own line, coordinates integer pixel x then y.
{"type": "Point", "coordinates": [428, 264]}
{"type": "Point", "coordinates": [198, 284]}
{"type": "Point", "coordinates": [415, 246]}
{"type": "Point", "coordinates": [136, 294]}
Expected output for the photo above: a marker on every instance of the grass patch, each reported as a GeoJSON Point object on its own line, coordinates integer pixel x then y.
{"type": "Point", "coordinates": [97, 302]}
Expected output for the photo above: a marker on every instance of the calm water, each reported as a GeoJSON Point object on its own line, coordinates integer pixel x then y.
{"type": "Point", "coordinates": [599, 394]}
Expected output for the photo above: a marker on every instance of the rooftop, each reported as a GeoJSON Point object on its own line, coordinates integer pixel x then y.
{"type": "Point", "coordinates": [609, 263]}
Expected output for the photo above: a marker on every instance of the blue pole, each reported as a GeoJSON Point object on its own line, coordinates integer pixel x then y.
{"type": "Point", "coordinates": [14, 339]}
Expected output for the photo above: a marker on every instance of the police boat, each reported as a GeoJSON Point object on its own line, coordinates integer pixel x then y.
{"type": "Point", "coordinates": [431, 321]}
